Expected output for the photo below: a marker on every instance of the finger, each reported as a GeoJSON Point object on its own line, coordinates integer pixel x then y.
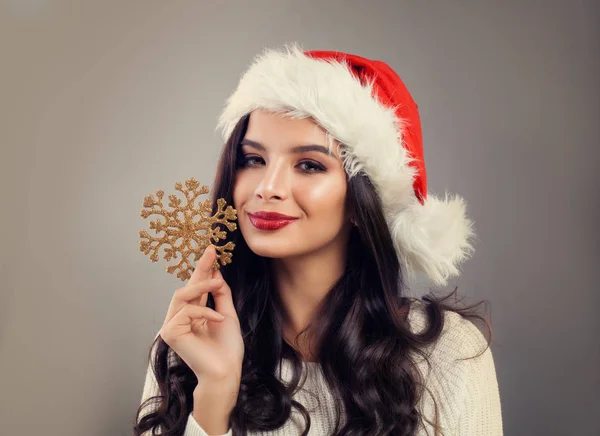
{"type": "Point", "coordinates": [181, 323]}
{"type": "Point", "coordinates": [223, 299]}
{"type": "Point", "coordinates": [204, 266]}
{"type": "Point", "coordinates": [191, 292]}
{"type": "Point", "coordinates": [191, 313]}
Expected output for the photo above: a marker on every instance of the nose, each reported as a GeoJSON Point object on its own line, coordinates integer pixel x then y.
{"type": "Point", "coordinates": [274, 184]}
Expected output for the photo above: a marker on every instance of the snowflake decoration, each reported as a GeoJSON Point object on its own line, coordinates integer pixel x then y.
{"type": "Point", "coordinates": [187, 230]}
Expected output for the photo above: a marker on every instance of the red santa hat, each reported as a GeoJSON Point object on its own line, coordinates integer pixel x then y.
{"type": "Point", "coordinates": [364, 105]}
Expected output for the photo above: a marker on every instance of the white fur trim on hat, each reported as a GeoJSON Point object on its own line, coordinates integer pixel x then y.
{"type": "Point", "coordinates": [430, 237]}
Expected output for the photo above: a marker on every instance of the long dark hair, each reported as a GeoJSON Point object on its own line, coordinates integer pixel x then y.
{"type": "Point", "coordinates": [362, 324]}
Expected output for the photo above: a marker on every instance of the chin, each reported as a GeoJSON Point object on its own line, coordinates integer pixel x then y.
{"type": "Point", "coordinates": [272, 249]}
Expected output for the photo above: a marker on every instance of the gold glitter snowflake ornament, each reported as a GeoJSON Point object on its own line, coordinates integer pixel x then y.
{"type": "Point", "coordinates": [187, 230]}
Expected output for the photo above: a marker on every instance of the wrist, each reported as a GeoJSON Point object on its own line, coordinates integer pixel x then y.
{"type": "Point", "coordinates": [218, 396]}
{"type": "Point", "coordinates": [213, 406]}
{"type": "Point", "coordinates": [211, 423]}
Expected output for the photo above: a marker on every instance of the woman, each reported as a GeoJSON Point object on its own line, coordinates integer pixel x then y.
{"type": "Point", "coordinates": [308, 331]}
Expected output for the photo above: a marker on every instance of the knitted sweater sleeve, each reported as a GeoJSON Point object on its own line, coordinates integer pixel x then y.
{"type": "Point", "coordinates": [151, 389]}
{"type": "Point", "coordinates": [464, 386]}
{"type": "Point", "coordinates": [480, 413]}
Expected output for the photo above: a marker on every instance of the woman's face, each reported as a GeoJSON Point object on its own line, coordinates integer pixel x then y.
{"type": "Point", "coordinates": [308, 185]}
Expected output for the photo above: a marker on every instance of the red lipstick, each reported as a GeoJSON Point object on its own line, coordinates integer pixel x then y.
{"type": "Point", "coordinates": [264, 220]}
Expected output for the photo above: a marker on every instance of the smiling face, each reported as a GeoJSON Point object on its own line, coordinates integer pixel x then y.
{"type": "Point", "coordinates": [278, 173]}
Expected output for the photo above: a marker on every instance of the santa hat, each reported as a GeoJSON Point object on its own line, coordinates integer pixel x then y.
{"type": "Point", "coordinates": [365, 106]}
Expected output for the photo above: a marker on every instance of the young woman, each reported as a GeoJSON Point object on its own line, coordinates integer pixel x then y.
{"type": "Point", "coordinates": [309, 330]}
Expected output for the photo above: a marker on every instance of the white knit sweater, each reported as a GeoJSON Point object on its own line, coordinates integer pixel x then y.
{"type": "Point", "coordinates": [466, 391]}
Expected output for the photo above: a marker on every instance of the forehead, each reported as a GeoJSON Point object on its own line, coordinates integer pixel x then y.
{"type": "Point", "coordinates": [284, 130]}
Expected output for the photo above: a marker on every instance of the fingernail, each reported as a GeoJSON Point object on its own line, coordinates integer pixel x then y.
{"type": "Point", "coordinates": [220, 316]}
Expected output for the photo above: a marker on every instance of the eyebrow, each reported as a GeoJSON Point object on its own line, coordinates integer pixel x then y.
{"type": "Point", "coordinates": [296, 149]}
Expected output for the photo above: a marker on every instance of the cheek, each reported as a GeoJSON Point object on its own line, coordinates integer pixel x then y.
{"type": "Point", "coordinates": [323, 198]}
{"type": "Point", "coordinates": [240, 191]}
{"type": "Point", "coordinates": [238, 199]}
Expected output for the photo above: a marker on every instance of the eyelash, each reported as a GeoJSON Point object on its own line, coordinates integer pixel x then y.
{"type": "Point", "coordinates": [245, 159]}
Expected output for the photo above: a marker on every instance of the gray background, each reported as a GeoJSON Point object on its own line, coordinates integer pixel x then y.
{"type": "Point", "coordinates": [103, 103]}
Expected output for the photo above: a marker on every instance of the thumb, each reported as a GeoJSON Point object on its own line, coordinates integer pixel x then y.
{"type": "Point", "coordinates": [204, 266]}
{"type": "Point", "coordinates": [223, 298]}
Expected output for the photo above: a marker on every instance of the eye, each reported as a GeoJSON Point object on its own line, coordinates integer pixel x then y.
{"type": "Point", "coordinates": [313, 167]}
{"type": "Point", "coordinates": [308, 167]}
{"type": "Point", "coordinates": [247, 160]}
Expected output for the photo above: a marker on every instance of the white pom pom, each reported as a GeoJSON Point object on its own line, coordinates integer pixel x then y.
{"type": "Point", "coordinates": [434, 238]}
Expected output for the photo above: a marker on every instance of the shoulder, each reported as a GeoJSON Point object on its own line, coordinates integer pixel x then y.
{"type": "Point", "coordinates": [459, 372]}
{"type": "Point", "coordinates": [458, 338]}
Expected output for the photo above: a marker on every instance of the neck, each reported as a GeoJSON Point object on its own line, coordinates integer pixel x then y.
{"type": "Point", "coordinates": [302, 283]}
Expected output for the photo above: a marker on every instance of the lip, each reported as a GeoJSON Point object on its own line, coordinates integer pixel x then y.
{"type": "Point", "coordinates": [265, 215]}
{"type": "Point", "coordinates": [269, 220]}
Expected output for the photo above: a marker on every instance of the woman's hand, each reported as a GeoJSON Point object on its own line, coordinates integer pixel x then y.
{"type": "Point", "coordinates": [211, 346]}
